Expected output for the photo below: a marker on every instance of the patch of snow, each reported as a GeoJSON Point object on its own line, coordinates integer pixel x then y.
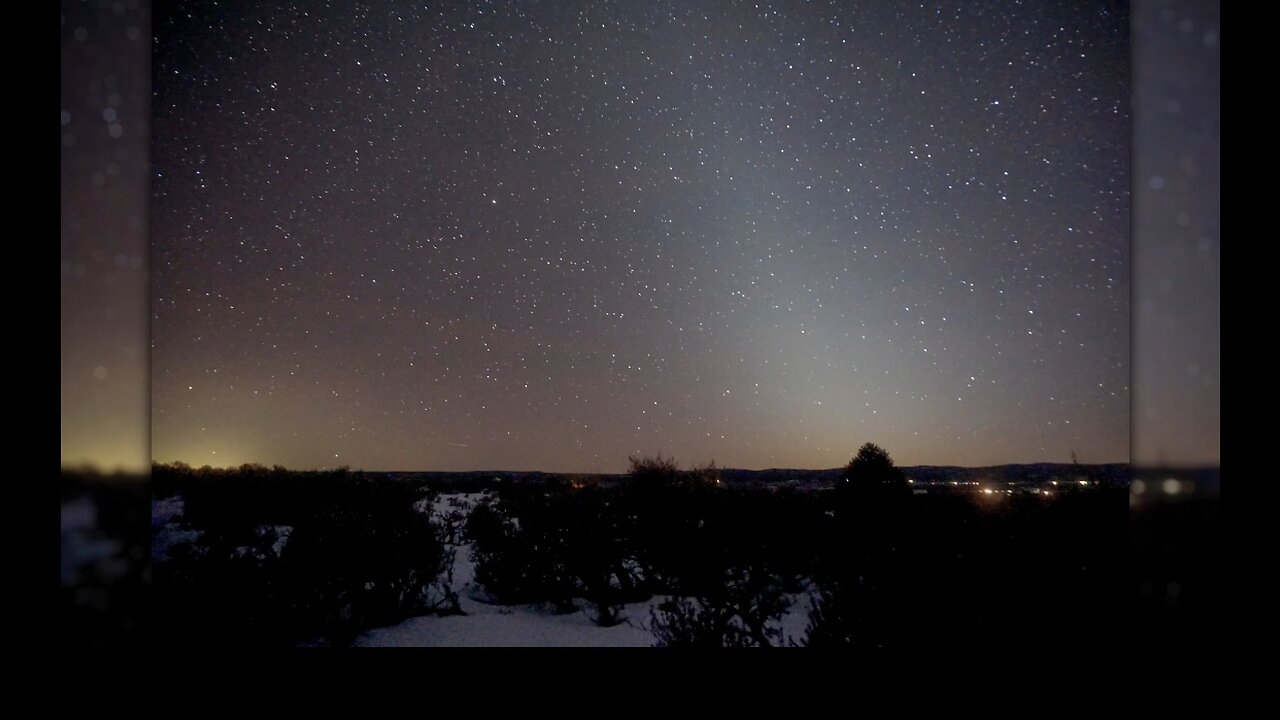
{"type": "Point", "coordinates": [448, 502]}
{"type": "Point", "coordinates": [167, 532]}
{"type": "Point", "coordinates": [515, 626]}
{"type": "Point", "coordinates": [166, 511]}
{"type": "Point", "coordinates": [795, 622]}
{"type": "Point", "coordinates": [464, 569]}
{"type": "Point", "coordinates": [282, 538]}
{"type": "Point", "coordinates": [281, 534]}
{"type": "Point", "coordinates": [248, 551]}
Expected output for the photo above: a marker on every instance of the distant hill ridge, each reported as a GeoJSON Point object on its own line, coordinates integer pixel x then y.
{"type": "Point", "coordinates": [1111, 474]}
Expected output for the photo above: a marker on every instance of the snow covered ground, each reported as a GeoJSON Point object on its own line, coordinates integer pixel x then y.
{"type": "Point", "coordinates": [484, 624]}
{"type": "Point", "coordinates": [487, 625]}
{"type": "Point", "coordinates": [513, 626]}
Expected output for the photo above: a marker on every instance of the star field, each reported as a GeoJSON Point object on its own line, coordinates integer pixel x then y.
{"type": "Point", "coordinates": [547, 236]}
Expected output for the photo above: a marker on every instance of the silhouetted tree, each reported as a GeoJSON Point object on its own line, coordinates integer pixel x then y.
{"type": "Point", "coordinates": [871, 478]}
{"type": "Point", "coordinates": [861, 586]}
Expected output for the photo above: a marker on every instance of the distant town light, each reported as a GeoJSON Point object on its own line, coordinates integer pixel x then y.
{"type": "Point", "coordinates": [1084, 482]}
{"type": "Point", "coordinates": [1172, 486]}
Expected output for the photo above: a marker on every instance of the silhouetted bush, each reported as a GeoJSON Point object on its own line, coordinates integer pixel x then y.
{"type": "Point", "coordinates": [519, 548]}
{"type": "Point", "coordinates": [685, 622]}
{"type": "Point", "coordinates": [745, 610]}
{"type": "Point", "coordinates": [600, 553]}
{"type": "Point", "coordinates": [668, 512]}
{"type": "Point", "coordinates": [357, 552]}
{"type": "Point", "coordinates": [362, 565]}
{"type": "Point", "coordinates": [553, 545]}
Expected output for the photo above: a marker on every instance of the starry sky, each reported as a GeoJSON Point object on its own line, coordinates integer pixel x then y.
{"type": "Point", "coordinates": [547, 236]}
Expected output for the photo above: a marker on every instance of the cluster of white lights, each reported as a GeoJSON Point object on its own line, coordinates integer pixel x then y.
{"type": "Point", "coordinates": [1170, 486]}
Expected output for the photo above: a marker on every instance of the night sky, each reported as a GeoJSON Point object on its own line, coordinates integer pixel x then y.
{"type": "Point", "coordinates": [547, 236]}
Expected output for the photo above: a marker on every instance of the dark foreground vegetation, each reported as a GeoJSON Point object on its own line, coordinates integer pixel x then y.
{"type": "Point", "coordinates": [285, 557]}
{"type": "Point", "coordinates": [105, 569]}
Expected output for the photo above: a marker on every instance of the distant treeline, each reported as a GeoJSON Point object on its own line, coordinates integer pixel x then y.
{"type": "Point", "coordinates": [1113, 474]}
